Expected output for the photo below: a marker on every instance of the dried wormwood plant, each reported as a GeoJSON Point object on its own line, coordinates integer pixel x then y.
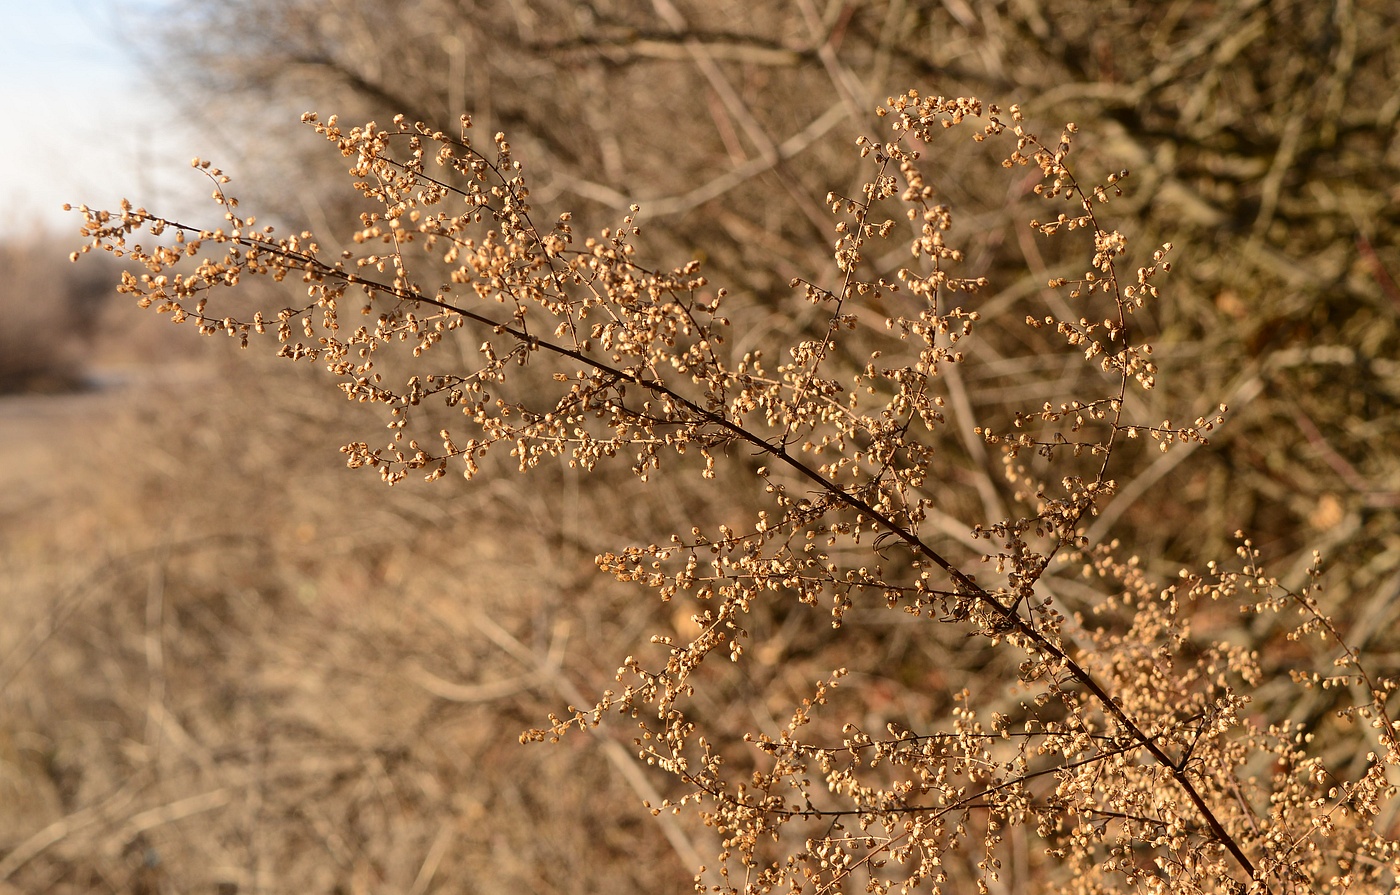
{"type": "Point", "coordinates": [1127, 746]}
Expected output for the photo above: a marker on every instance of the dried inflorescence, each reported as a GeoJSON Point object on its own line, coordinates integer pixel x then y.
{"type": "Point", "coordinates": [1122, 741]}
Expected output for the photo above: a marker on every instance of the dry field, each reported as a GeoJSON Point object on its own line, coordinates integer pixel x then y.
{"type": "Point", "coordinates": [215, 678]}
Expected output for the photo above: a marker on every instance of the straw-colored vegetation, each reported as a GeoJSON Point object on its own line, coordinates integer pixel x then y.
{"type": "Point", "coordinates": [920, 563]}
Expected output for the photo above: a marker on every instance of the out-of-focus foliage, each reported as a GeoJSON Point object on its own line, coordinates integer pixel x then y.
{"type": "Point", "coordinates": [229, 665]}
{"type": "Point", "coordinates": [1261, 134]}
{"type": "Point", "coordinates": [49, 311]}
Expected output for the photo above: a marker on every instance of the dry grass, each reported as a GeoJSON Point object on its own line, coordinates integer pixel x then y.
{"type": "Point", "coordinates": [242, 672]}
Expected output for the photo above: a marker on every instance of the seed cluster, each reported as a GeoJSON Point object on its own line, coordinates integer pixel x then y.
{"type": "Point", "coordinates": [1124, 746]}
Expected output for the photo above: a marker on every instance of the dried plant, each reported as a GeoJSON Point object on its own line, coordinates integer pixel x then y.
{"type": "Point", "coordinates": [1112, 743]}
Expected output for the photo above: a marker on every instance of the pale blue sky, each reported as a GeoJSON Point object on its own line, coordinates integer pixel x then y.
{"type": "Point", "coordinates": [86, 122]}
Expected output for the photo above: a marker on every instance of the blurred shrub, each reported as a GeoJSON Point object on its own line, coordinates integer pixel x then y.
{"type": "Point", "coordinates": [49, 311]}
{"type": "Point", "coordinates": [1262, 137]}
{"type": "Point", "coordinates": [228, 665]}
